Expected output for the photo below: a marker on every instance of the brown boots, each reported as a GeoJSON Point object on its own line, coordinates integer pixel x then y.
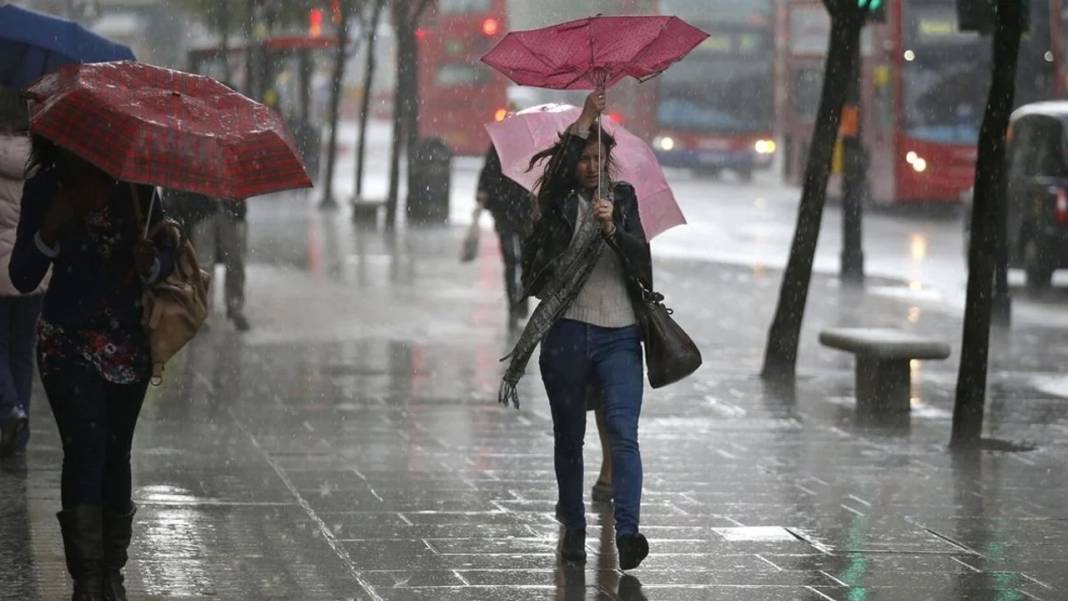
{"type": "Point", "coordinates": [95, 543]}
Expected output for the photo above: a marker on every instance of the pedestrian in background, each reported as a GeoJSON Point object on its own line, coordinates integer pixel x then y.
{"type": "Point", "coordinates": [18, 312]}
{"type": "Point", "coordinates": [511, 206]}
{"type": "Point", "coordinates": [219, 232]}
{"type": "Point", "coordinates": [586, 322]}
{"type": "Point", "coordinates": [93, 352]}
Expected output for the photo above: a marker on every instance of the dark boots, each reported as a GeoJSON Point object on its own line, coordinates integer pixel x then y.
{"type": "Point", "coordinates": [118, 529]}
{"type": "Point", "coordinates": [83, 544]}
{"type": "Point", "coordinates": [95, 543]}
{"type": "Point", "coordinates": [573, 545]}
{"type": "Point", "coordinates": [632, 550]}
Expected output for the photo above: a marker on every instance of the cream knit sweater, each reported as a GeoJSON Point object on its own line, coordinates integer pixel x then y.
{"type": "Point", "coordinates": [603, 300]}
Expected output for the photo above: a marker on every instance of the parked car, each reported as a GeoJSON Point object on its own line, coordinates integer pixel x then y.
{"type": "Point", "coordinates": [1036, 178]}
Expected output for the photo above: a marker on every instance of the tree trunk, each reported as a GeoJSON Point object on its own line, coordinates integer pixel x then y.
{"type": "Point", "coordinates": [328, 201]}
{"type": "Point", "coordinates": [224, 41]}
{"type": "Point", "coordinates": [854, 182]}
{"type": "Point", "coordinates": [780, 358]}
{"type": "Point", "coordinates": [989, 172]}
{"type": "Point", "coordinates": [405, 43]}
{"type": "Point", "coordinates": [411, 112]}
{"type": "Point", "coordinates": [250, 54]}
{"type": "Point", "coordinates": [365, 99]}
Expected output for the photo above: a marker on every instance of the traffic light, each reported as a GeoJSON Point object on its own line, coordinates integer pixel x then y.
{"type": "Point", "coordinates": [315, 22]}
{"type": "Point", "coordinates": [876, 9]}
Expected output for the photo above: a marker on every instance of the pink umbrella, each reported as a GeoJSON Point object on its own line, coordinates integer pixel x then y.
{"type": "Point", "coordinates": [597, 52]}
{"type": "Point", "coordinates": [524, 134]}
{"type": "Point", "coordinates": [594, 51]}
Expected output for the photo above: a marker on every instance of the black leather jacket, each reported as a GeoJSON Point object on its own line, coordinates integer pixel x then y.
{"type": "Point", "coordinates": [554, 229]}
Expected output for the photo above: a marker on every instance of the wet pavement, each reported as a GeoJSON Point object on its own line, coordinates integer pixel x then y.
{"type": "Point", "coordinates": [350, 447]}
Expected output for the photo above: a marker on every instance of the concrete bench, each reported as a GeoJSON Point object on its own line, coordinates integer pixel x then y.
{"type": "Point", "coordinates": [883, 355]}
{"type": "Point", "coordinates": [365, 212]}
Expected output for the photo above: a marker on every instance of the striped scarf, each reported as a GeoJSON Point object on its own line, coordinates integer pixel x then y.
{"type": "Point", "coordinates": [572, 270]}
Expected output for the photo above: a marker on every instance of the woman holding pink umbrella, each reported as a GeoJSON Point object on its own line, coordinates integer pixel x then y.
{"type": "Point", "coordinates": [577, 262]}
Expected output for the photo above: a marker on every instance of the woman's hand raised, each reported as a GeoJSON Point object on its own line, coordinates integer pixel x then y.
{"type": "Point", "coordinates": [594, 106]}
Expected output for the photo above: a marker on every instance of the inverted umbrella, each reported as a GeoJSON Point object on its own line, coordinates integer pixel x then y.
{"type": "Point", "coordinates": [519, 137]}
{"type": "Point", "coordinates": [167, 128]}
{"type": "Point", "coordinates": [33, 44]}
{"type": "Point", "coordinates": [592, 52]}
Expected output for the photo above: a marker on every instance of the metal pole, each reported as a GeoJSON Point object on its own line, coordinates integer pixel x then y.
{"type": "Point", "coordinates": [854, 183]}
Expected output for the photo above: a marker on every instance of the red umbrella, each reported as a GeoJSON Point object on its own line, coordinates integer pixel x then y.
{"type": "Point", "coordinates": [594, 51]}
{"type": "Point", "coordinates": [162, 127]}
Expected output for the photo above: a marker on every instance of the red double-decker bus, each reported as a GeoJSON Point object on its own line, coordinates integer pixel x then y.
{"type": "Point", "coordinates": [458, 92]}
{"type": "Point", "coordinates": [924, 86]}
{"type": "Point", "coordinates": [715, 107]}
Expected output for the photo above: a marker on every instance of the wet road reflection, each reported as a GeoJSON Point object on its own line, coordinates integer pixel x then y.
{"type": "Point", "coordinates": [350, 447]}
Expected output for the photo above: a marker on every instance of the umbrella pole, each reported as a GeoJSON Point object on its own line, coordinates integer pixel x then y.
{"type": "Point", "coordinates": [136, 198]}
{"type": "Point", "coordinates": [148, 217]}
{"type": "Point", "coordinates": [601, 79]}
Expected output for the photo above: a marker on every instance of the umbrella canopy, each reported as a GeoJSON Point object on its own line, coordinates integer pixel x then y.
{"type": "Point", "coordinates": [594, 51]}
{"type": "Point", "coordinates": [162, 127]}
{"type": "Point", "coordinates": [519, 137]}
{"type": "Point", "coordinates": [33, 44]}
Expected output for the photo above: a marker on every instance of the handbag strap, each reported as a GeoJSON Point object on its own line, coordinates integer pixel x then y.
{"type": "Point", "coordinates": [632, 274]}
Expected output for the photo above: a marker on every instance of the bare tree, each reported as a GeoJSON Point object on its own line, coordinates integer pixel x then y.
{"type": "Point", "coordinates": [370, 25]}
{"type": "Point", "coordinates": [847, 20]}
{"type": "Point", "coordinates": [406, 15]}
{"type": "Point", "coordinates": [345, 9]}
{"type": "Point", "coordinates": [989, 193]}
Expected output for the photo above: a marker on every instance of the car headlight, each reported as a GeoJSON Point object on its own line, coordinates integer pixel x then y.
{"type": "Point", "coordinates": [765, 146]}
{"type": "Point", "coordinates": [664, 142]}
{"type": "Point", "coordinates": [919, 164]}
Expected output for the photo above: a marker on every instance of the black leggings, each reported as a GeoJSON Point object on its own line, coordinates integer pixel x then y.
{"type": "Point", "coordinates": [96, 421]}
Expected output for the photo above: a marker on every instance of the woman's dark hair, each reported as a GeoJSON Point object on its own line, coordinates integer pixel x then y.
{"type": "Point", "coordinates": [546, 193]}
{"type": "Point", "coordinates": [43, 155]}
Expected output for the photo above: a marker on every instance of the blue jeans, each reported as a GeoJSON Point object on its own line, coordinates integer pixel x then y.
{"type": "Point", "coordinates": [18, 335]}
{"type": "Point", "coordinates": [573, 355]}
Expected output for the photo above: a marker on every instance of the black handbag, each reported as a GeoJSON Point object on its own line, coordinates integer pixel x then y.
{"type": "Point", "coordinates": [670, 353]}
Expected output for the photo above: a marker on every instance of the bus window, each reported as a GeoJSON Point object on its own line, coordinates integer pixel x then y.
{"type": "Point", "coordinates": [461, 74]}
{"type": "Point", "coordinates": [461, 7]}
{"type": "Point", "coordinates": [805, 95]}
{"type": "Point", "coordinates": [884, 98]}
{"type": "Point", "coordinates": [720, 87]}
{"type": "Point", "coordinates": [945, 77]}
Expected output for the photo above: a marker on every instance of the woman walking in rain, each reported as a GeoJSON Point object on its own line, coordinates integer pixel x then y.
{"type": "Point", "coordinates": [93, 352]}
{"type": "Point", "coordinates": [576, 262]}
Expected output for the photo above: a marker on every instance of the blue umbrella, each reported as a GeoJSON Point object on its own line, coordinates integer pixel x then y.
{"type": "Point", "coordinates": [33, 44]}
